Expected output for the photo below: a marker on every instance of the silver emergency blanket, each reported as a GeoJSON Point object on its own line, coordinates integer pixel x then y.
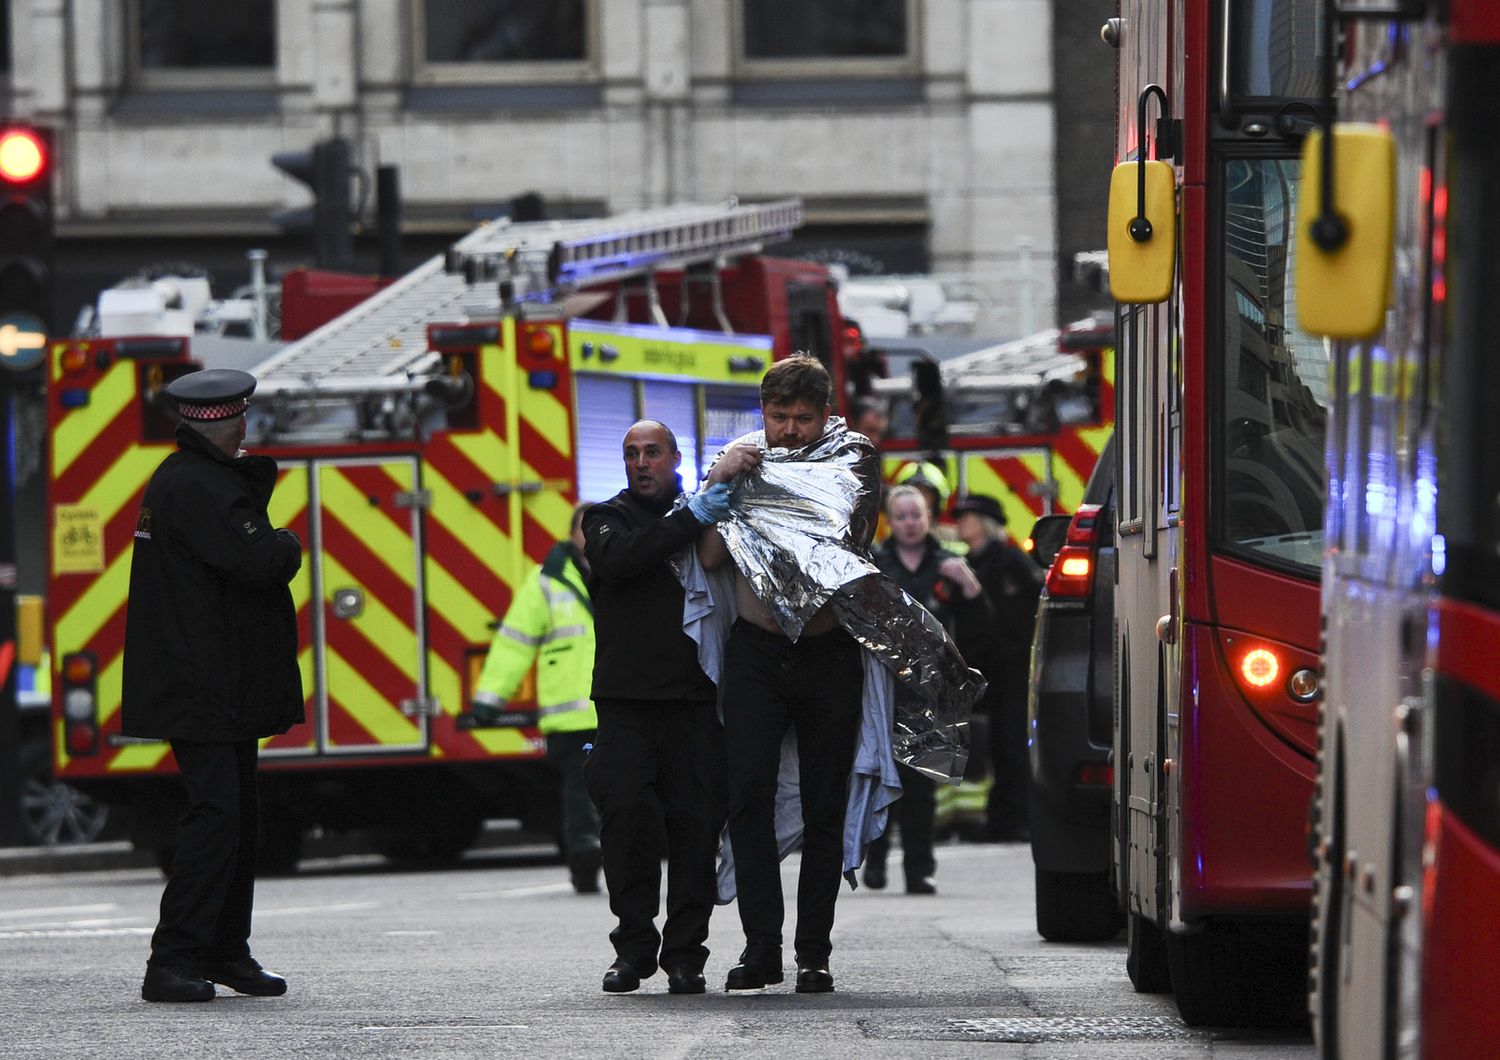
{"type": "Point", "coordinates": [789, 533]}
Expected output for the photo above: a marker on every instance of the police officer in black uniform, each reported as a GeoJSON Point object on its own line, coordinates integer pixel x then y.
{"type": "Point", "coordinates": [211, 666]}
{"type": "Point", "coordinates": [659, 753]}
{"type": "Point", "coordinates": [1013, 584]}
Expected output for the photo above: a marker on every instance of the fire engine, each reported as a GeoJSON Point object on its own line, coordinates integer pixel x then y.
{"type": "Point", "coordinates": [432, 441]}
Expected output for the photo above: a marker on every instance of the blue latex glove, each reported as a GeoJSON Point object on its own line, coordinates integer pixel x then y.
{"type": "Point", "coordinates": [710, 505]}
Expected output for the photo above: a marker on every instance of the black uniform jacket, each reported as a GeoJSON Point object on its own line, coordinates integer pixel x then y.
{"type": "Point", "coordinates": [641, 651]}
{"type": "Point", "coordinates": [963, 618]}
{"type": "Point", "coordinates": [1013, 583]}
{"type": "Point", "coordinates": [210, 628]}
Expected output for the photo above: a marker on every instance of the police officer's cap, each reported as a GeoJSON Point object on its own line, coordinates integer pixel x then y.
{"type": "Point", "coordinates": [979, 504]}
{"type": "Point", "coordinates": [212, 394]}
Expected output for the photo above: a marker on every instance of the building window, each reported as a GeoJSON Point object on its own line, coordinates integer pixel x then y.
{"type": "Point", "coordinates": [804, 38]}
{"type": "Point", "coordinates": [197, 44]}
{"type": "Point", "coordinates": [504, 40]}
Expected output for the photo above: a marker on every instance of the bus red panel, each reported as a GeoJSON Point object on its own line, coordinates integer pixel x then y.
{"type": "Point", "coordinates": [1245, 794]}
{"type": "Point", "coordinates": [1461, 941]}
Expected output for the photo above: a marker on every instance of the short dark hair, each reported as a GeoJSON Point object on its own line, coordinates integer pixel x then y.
{"type": "Point", "coordinates": [800, 377]}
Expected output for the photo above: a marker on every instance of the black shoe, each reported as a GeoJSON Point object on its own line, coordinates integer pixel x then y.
{"type": "Point", "coordinates": [814, 979]}
{"type": "Point", "coordinates": [921, 886]}
{"type": "Point", "coordinates": [246, 976]}
{"type": "Point", "coordinates": [759, 967]}
{"type": "Point", "coordinates": [174, 984]}
{"type": "Point", "coordinates": [875, 877]}
{"type": "Point", "coordinates": [685, 981]}
{"type": "Point", "coordinates": [622, 977]}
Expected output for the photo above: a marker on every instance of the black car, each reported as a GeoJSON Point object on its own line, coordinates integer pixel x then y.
{"type": "Point", "coordinates": [1070, 717]}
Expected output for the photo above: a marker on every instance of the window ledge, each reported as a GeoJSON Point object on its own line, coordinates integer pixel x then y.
{"type": "Point", "coordinates": [156, 103]}
{"type": "Point", "coordinates": [821, 91]}
{"type": "Point", "coordinates": [433, 98]}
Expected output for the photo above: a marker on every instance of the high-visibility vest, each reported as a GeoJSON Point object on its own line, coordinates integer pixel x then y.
{"type": "Point", "coordinates": [551, 622]}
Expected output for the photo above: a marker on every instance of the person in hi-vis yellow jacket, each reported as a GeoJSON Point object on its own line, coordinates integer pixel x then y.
{"type": "Point", "coordinates": [551, 623]}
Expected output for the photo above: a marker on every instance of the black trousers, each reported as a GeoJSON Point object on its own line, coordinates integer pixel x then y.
{"type": "Point", "coordinates": [579, 817]}
{"type": "Point", "coordinates": [1005, 815]}
{"type": "Point", "coordinates": [657, 772]}
{"type": "Point", "coordinates": [913, 814]}
{"type": "Point", "coordinates": [815, 687]}
{"type": "Point", "coordinates": [205, 908]}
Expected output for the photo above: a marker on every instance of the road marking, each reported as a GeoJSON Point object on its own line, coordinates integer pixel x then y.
{"type": "Point", "coordinates": [75, 933]}
{"type": "Point", "coordinates": [56, 910]}
{"type": "Point", "coordinates": [303, 910]}
{"type": "Point", "coordinates": [96, 922]}
{"type": "Point", "coordinates": [424, 1027]}
{"type": "Point", "coordinates": [411, 934]}
{"type": "Point", "coordinates": [518, 892]}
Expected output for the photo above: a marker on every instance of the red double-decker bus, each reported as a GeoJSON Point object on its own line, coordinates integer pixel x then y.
{"type": "Point", "coordinates": [1220, 426]}
{"type": "Point", "coordinates": [1407, 827]}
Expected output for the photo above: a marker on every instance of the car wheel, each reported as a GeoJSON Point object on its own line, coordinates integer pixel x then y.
{"type": "Point", "coordinates": [1076, 907]}
{"type": "Point", "coordinates": [54, 813]}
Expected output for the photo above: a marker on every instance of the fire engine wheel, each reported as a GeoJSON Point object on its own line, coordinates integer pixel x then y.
{"type": "Point", "coordinates": [441, 841]}
{"type": "Point", "coordinates": [1076, 907]}
{"type": "Point", "coordinates": [1146, 956]}
{"type": "Point", "coordinates": [53, 813]}
{"type": "Point", "coordinates": [1233, 974]}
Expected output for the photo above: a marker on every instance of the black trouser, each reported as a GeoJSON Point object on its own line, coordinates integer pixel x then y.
{"type": "Point", "coordinates": [580, 819]}
{"type": "Point", "coordinates": [205, 908]}
{"type": "Point", "coordinates": [1006, 813]}
{"type": "Point", "coordinates": [656, 764]}
{"type": "Point", "coordinates": [913, 813]}
{"type": "Point", "coordinates": [815, 687]}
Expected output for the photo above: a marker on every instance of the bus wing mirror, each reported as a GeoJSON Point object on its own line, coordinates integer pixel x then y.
{"type": "Point", "coordinates": [1142, 238]}
{"type": "Point", "coordinates": [1344, 269]}
{"type": "Point", "coordinates": [1047, 537]}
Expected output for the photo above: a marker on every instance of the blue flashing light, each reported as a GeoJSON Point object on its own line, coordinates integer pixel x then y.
{"type": "Point", "coordinates": [73, 398]}
{"type": "Point", "coordinates": [1439, 554]}
{"type": "Point", "coordinates": [541, 380]}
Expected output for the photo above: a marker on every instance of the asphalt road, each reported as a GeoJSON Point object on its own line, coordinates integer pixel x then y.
{"type": "Point", "coordinates": [500, 958]}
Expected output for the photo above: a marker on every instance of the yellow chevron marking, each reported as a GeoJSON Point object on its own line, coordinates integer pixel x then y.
{"type": "Point", "coordinates": [139, 756]}
{"type": "Point", "coordinates": [108, 687]}
{"type": "Point", "coordinates": [81, 426]}
{"type": "Point", "coordinates": [1107, 364]}
{"type": "Point", "coordinates": [503, 741]}
{"type": "Point", "coordinates": [120, 483]}
{"type": "Point", "coordinates": [982, 478]}
{"type": "Point", "coordinates": [389, 543]}
{"type": "Point", "coordinates": [82, 622]}
{"type": "Point", "coordinates": [388, 633]}
{"type": "Point", "coordinates": [550, 417]}
{"type": "Point", "coordinates": [487, 451]}
{"type": "Point", "coordinates": [1096, 437]}
{"type": "Point", "coordinates": [443, 684]}
{"type": "Point", "coordinates": [461, 608]}
{"type": "Point", "coordinates": [548, 507]}
{"type": "Point", "coordinates": [497, 364]}
{"type": "Point", "coordinates": [290, 498]}
{"type": "Point", "coordinates": [376, 714]}
{"type": "Point", "coordinates": [1069, 485]}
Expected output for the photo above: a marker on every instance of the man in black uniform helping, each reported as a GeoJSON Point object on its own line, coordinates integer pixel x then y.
{"type": "Point", "coordinates": [659, 752]}
{"type": "Point", "coordinates": [211, 666]}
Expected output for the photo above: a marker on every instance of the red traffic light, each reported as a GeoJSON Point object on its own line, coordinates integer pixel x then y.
{"type": "Point", "coordinates": [23, 156]}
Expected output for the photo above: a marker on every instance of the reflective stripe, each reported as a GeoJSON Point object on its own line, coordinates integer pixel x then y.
{"type": "Point", "coordinates": [564, 708]}
{"type": "Point", "coordinates": [489, 699]}
{"type": "Point", "coordinates": [564, 631]}
{"type": "Point", "coordinates": [523, 638]}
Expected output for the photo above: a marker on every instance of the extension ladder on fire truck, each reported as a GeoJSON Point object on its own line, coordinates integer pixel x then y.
{"type": "Point", "coordinates": [381, 345]}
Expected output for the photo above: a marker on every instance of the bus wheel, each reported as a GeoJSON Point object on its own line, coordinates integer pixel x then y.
{"type": "Point", "coordinates": [1075, 907]}
{"type": "Point", "coordinates": [1146, 956]}
{"type": "Point", "coordinates": [1233, 974]}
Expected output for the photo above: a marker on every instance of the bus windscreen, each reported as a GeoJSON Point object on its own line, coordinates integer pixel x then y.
{"type": "Point", "coordinates": [1274, 402]}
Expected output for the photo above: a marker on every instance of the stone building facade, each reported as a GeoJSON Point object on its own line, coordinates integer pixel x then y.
{"type": "Point", "coordinates": [920, 133]}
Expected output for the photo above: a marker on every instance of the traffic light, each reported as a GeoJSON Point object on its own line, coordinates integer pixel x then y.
{"type": "Point", "coordinates": [26, 224]}
{"type": "Point", "coordinates": [325, 169]}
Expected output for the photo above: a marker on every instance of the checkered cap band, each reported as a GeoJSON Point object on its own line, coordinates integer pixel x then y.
{"type": "Point", "coordinates": [222, 411]}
